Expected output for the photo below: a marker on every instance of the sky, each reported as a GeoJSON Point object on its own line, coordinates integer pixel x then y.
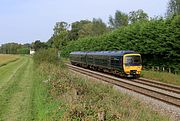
{"type": "Point", "coordinates": [24, 21]}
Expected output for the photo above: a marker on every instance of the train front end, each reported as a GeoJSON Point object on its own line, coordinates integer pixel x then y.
{"type": "Point", "coordinates": [132, 65]}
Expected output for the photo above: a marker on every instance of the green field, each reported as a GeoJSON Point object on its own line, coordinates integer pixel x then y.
{"type": "Point", "coordinates": [47, 93]}
{"type": "Point", "coordinates": [23, 95]}
{"type": "Point", "coordinates": [16, 90]}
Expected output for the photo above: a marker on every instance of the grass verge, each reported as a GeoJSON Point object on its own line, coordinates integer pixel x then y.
{"type": "Point", "coordinates": [162, 76]}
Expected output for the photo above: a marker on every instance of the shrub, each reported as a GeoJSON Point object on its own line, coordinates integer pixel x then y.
{"type": "Point", "coordinates": [46, 55]}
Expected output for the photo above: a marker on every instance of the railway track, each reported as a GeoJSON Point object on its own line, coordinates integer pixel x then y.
{"type": "Point", "coordinates": [160, 85]}
{"type": "Point", "coordinates": [164, 92]}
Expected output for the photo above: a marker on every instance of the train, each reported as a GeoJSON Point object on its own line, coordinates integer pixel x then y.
{"type": "Point", "coordinates": [124, 63]}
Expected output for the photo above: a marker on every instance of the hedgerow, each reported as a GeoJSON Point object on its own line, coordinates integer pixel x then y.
{"type": "Point", "coordinates": [157, 40]}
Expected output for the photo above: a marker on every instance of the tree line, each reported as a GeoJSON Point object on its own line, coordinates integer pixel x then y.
{"type": "Point", "coordinates": [15, 48]}
{"type": "Point", "coordinates": [64, 32]}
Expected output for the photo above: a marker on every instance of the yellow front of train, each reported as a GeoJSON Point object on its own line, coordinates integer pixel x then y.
{"type": "Point", "coordinates": [132, 65]}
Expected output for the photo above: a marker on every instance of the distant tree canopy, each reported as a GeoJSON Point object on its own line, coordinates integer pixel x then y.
{"type": "Point", "coordinates": [79, 29]}
{"type": "Point", "coordinates": [38, 45]}
{"type": "Point", "coordinates": [14, 48]}
{"type": "Point", "coordinates": [173, 8]}
{"type": "Point", "coordinates": [139, 15]}
{"type": "Point", "coordinates": [120, 19]}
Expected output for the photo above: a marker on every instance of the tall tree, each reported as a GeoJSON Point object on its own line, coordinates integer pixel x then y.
{"type": "Point", "coordinates": [77, 29]}
{"type": "Point", "coordinates": [60, 35]}
{"type": "Point", "coordinates": [173, 8]}
{"type": "Point", "coordinates": [120, 19]}
{"type": "Point", "coordinates": [59, 27]}
{"type": "Point", "coordinates": [99, 27]}
{"type": "Point", "coordinates": [86, 30]}
{"type": "Point", "coordinates": [138, 15]}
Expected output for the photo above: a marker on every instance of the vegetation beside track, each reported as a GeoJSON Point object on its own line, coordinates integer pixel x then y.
{"type": "Point", "coordinates": [162, 77]}
{"type": "Point", "coordinates": [77, 98]}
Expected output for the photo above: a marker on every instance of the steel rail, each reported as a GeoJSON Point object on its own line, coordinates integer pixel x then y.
{"type": "Point", "coordinates": [168, 87]}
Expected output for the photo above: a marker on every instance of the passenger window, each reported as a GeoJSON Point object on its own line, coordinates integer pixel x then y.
{"type": "Point", "coordinates": [115, 61]}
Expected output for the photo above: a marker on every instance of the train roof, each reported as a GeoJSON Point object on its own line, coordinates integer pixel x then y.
{"type": "Point", "coordinates": [78, 53]}
{"type": "Point", "coordinates": [108, 53]}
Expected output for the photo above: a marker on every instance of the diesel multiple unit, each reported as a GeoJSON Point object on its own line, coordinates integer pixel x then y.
{"type": "Point", "coordinates": [123, 63]}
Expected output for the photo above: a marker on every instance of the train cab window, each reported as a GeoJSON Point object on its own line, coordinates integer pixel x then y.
{"type": "Point", "coordinates": [133, 61]}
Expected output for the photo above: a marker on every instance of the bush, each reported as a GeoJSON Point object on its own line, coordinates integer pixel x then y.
{"type": "Point", "coordinates": [23, 51]}
{"type": "Point", "coordinates": [46, 55]}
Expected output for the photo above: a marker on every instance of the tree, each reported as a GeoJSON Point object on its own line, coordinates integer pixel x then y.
{"type": "Point", "coordinates": [120, 19]}
{"type": "Point", "coordinates": [99, 27]}
{"type": "Point", "coordinates": [38, 45]}
{"type": "Point", "coordinates": [138, 15]}
{"type": "Point", "coordinates": [59, 27]}
{"type": "Point", "coordinates": [86, 30]}
{"type": "Point", "coordinates": [173, 8]}
{"type": "Point", "coordinates": [60, 35]}
{"type": "Point", "coordinates": [77, 29]}
{"type": "Point", "coordinates": [95, 28]}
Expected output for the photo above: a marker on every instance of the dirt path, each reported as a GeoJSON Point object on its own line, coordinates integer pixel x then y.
{"type": "Point", "coordinates": [16, 87]}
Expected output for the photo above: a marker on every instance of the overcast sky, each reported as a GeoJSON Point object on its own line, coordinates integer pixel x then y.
{"type": "Point", "coordinates": [24, 21]}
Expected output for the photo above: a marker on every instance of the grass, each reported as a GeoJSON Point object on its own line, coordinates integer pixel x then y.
{"type": "Point", "coordinates": [5, 59]}
{"type": "Point", "coordinates": [19, 87]}
{"type": "Point", "coordinates": [15, 95]}
{"type": "Point", "coordinates": [44, 105]}
{"type": "Point", "coordinates": [162, 76]}
{"type": "Point", "coordinates": [23, 94]}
